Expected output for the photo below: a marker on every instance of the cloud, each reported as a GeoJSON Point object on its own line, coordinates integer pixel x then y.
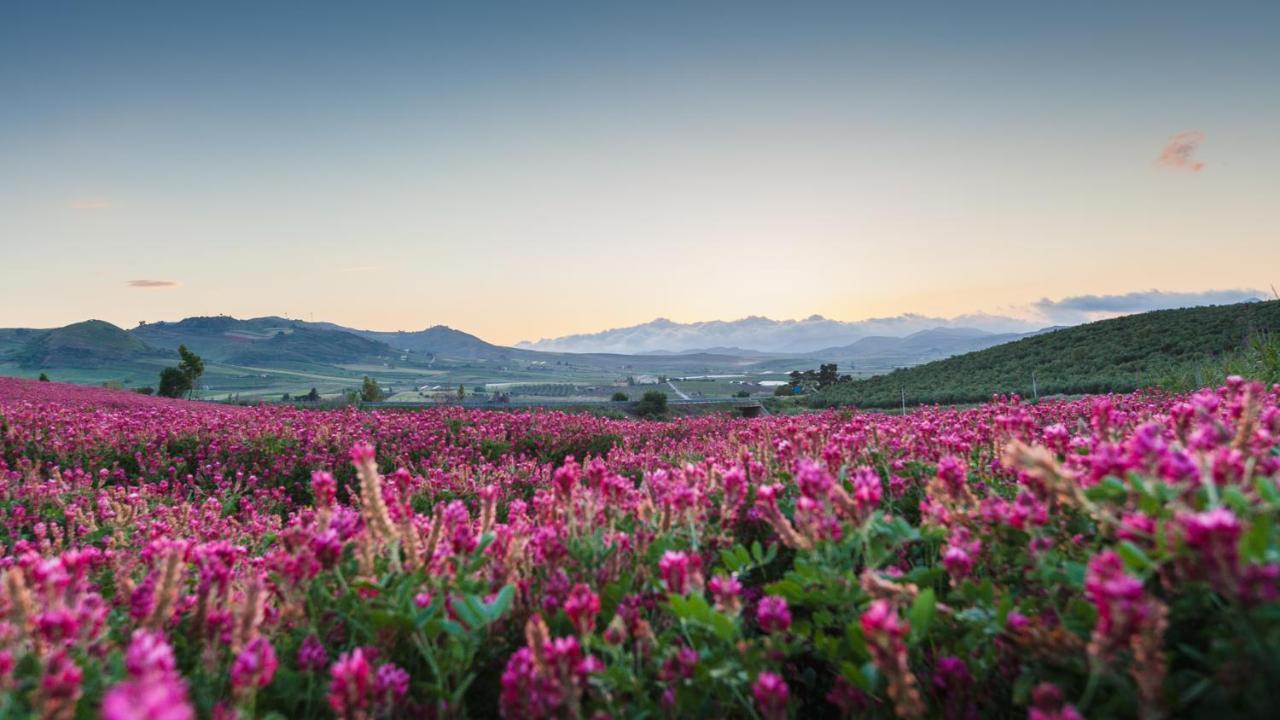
{"type": "Point", "coordinates": [1178, 152]}
{"type": "Point", "coordinates": [152, 283]}
{"type": "Point", "coordinates": [1084, 308]}
{"type": "Point", "coordinates": [91, 204]}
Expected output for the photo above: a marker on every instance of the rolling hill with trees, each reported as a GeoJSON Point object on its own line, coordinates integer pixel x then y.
{"type": "Point", "coordinates": [1117, 355]}
{"type": "Point", "coordinates": [88, 344]}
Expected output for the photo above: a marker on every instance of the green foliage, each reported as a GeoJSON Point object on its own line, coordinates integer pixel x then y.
{"type": "Point", "coordinates": [1118, 355]}
{"type": "Point", "coordinates": [653, 405]}
{"type": "Point", "coordinates": [44, 377]}
{"type": "Point", "coordinates": [173, 383]}
{"type": "Point", "coordinates": [1259, 360]}
{"type": "Point", "coordinates": [370, 391]}
{"type": "Point", "coordinates": [619, 397]}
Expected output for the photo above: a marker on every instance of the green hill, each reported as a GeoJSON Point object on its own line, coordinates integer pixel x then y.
{"type": "Point", "coordinates": [261, 341]}
{"type": "Point", "coordinates": [88, 344]}
{"type": "Point", "coordinates": [1118, 355]}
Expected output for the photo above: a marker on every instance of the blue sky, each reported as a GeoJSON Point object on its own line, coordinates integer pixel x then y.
{"type": "Point", "coordinates": [527, 170]}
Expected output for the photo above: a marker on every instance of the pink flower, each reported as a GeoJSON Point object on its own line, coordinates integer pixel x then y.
{"type": "Point", "coordinates": [154, 697]}
{"type": "Point", "coordinates": [255, 666]}
{"type": "Point", "coordinates": [362, 453]}
{"type": "Point", "coordinates": [324, 488]}
{"type": "Point", "coordinates": [391, 682]}
{"type": "Point", "coordinates": [771, 694]}
{"type": "Point", "coordinates": [1120, 601]}
{"type": "Point", "coordinates": [1047, 704]}
{"type": "Point", "coordinates": [773, 615]}
{"type": "Point", "coordinates": [681, 571]}
{"type": "Point", "coordinates": [582, 606]}
{"type": "Point", "coordinates": [726, 592]}
{"type": "Point", "coordinates": [349, 688]}
{"type": "Point", "coordinates": [311, 654]}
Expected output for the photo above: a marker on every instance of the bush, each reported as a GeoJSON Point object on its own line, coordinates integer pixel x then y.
{"type": "Point", "coordinates": [619, 397]}
{"type": "Point", "coordinates": [653, 405]}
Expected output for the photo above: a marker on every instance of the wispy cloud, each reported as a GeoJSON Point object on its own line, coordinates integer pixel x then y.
{"type": "Point", "coordinates": [1084, 308]}
{"type": "Point", "coordinates": [90, 204]}
{"type": "Point", "coordinates": [152, 283]}
{"type": "Point", "coordinates": [1179, 152]}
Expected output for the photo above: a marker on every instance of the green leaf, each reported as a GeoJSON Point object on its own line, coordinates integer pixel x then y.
{"type": "Point", "coordinates": [1134, 558]}
{"type": "Point", "coordinates": [922, 612]}
{"type": "Point", "coordinates": [500, 604]}
{"type": "Point", "coordinates": [1254, 543]}
{"type": "Point", "coordinates": [723, 627]}
{"type": "Point", "coordinates": [1266, 488]}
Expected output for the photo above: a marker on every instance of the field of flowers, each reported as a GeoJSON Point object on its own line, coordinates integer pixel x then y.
{"type": "Point", "coordinates": [1108, 557]}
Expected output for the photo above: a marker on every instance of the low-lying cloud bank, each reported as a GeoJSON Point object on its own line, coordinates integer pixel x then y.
{"type": "Point", "coordinates": [763, 334]}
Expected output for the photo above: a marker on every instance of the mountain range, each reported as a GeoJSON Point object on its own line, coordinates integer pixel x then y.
{"type": "Point", "coordinates": [764, 335]}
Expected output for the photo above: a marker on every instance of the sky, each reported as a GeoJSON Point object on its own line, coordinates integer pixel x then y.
{"type": "Point", "coordinates": [531, 170]}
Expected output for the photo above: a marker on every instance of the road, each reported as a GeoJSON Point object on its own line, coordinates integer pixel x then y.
{"type": "Point", "coordinates": [677, 390]}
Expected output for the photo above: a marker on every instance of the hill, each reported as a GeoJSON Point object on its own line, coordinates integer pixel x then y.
{"type": "Point", "coordinates": [1117, 355]}
{"type": "Point", "coordinates": [88, 344]}
{"type": "Point", "coordinates": [443, 341]}
{"type": "Point", "coordinates": [878, 352]}
{"type": "Point", "coordinates": [261, 341]}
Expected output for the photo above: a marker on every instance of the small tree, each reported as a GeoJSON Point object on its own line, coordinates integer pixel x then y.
{"type": "Point", "coordinates": [619, 397]}
{"type": "Point", "coordinates": [653, 405]}
{"type": "Point", "coordinates": [312, 396]}
{"type": "Point", "coordinates": [191, 365]}
{"type": "Point", "coordinates": [173, 383]}
{"type": "Point", "coordinates": [44, 378]}
{"type": "Point", "coordinates": [462, 393]}
{"type": "Point", "coordinates": [369, 390]}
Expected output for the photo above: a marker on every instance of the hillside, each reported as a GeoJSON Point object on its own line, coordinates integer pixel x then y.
{"type": "Point", "coordinates": [443, 341]}
{"type": "Point", "coordinates": [878, 352]}
{"type": "Point", "coordinates": [259, 341]}
{"type": "Point", "coordinates": [1118, 355]}
{"type": "Point", "coordinates": [88, 344]}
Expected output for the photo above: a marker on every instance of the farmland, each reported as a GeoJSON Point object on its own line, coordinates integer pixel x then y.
{"type": "Point", "coordinates": [1108, 556]}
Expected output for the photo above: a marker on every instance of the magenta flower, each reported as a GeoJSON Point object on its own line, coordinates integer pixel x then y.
{"type": "Point", "coordinates": [352, 676]}
{"type": "Point", "coordinates": [773, 615]}
{"type": "Point", "coordinates": [150, 698]}
{"type": "Point", "coordinates": [681, 571]}
{"type": "Point", "coordinates": [582, 606]}
{"type": "Point", "coordinates": [255, 666]}
{"type": "Point", "coordinates": [771, 694]}
{"type": "Point", "coordinates": [311, 654]}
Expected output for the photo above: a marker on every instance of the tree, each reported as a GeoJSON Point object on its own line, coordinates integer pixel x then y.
{"type": "Point", "coordinates": [44, 378]}
{"type": "Point", "coordinates": [462, 393]}
{"type": "Point", "coordinates": [312, 396]}
{"type": "Point", "coordinates": [619, 397]}
{"type": "Point", "coordinates": [173, 383]}
{"type": "Point", "coordinates": [191, 365]}
{"type": "Point", "coordinates": [653, 405]}
{"type": "Point", "coordinates": [369, 390]}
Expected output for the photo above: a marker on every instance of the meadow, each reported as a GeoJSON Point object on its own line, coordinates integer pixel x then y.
{"type": "Point", "coordinates": [1110, 556]}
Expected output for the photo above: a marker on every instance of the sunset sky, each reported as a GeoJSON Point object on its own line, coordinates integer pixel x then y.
{"type": "Point", "coordinates": [530, 170]}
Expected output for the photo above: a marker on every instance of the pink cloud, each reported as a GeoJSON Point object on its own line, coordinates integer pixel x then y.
{"type": "Point", "coordinates": [1179, 151]}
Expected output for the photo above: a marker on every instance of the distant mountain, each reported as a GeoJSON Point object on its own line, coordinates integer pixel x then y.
{"type": "Point", "coordinates": [88, 344]}
{"type": "Point", "coordinates": [443, 341]}
{"type": "Point", "coordinates": [879, 352]}
{"type": "Point", "coordinates": [763, 335]}
{"type": "Point", "coordinates": [262, 341]}
{"type": "Point", "coordinates": [1116, 355]}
